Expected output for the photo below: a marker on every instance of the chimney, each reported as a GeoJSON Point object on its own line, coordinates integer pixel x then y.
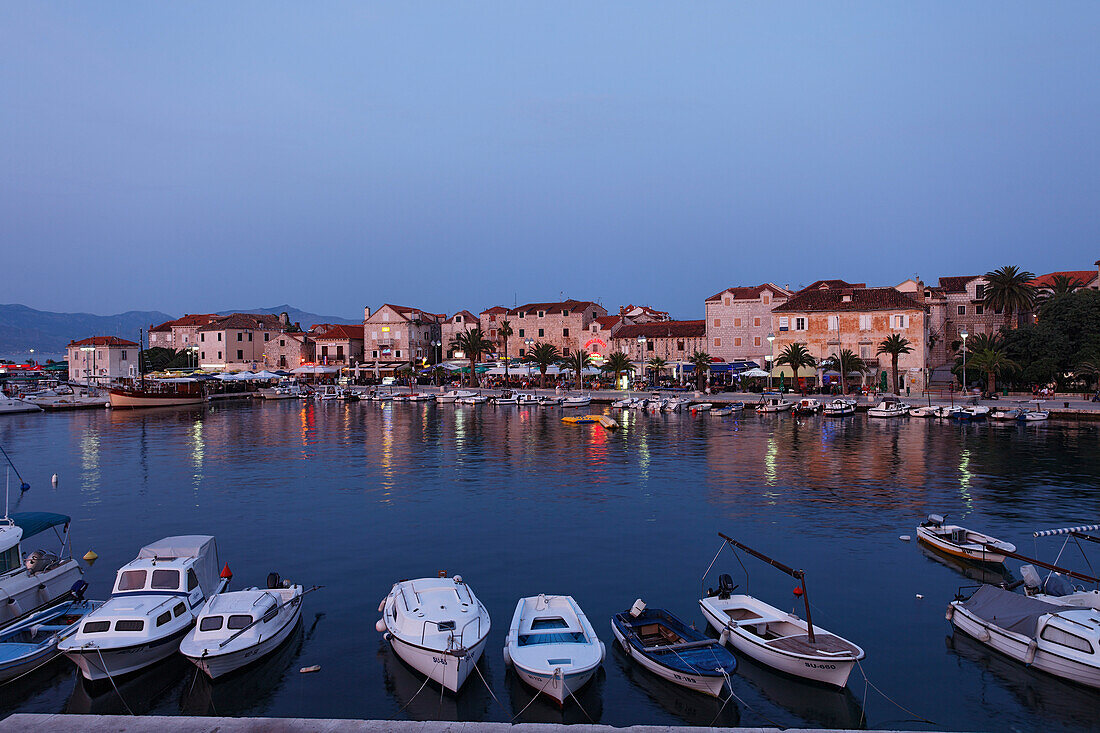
{"type": "Point", "coordinates": [366, 312]}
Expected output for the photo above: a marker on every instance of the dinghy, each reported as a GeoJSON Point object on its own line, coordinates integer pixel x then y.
{"type": "Point", "coordinates": [236, 629]}
{"type": "Point", "coordinates": [774, 637]}
{"type": "Point", "coordinates": [962, 542]}
{"type": "Point", "coordinates": [437, 625]}
{"type": "Point", "coordinates": [603, 420]}
{"type": "Point", "coordinates": [552, 646]}
{"type": "Point", "coordinates": [32, 642]}
{"type": "Point", "coordinates": [671, 649]}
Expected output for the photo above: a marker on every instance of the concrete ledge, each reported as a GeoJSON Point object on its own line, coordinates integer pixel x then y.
{"type": "Point", "coordinates": [38, 723]}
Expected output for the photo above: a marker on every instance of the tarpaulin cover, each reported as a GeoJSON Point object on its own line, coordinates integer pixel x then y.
{"type": "Point", "coordinates": [34, 522]}
{"type": "Point", "coordinates": [1010, 611]}
{"type": "Point", "coordinates": [201, 547]}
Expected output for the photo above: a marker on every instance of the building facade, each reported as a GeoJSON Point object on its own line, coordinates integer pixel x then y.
{"type": "Point", "coordinates": [739, 320]}
{"type": "Point", "coordinates": [453, 326]}
{"type": "Point", "coordinates": [289, 350]}
{"type": "Point", "coordinates": [562, 324]}
{"type": "Point", "coordinates": [237, 342]}
{"type": "Point", "coordinates": [668, 340]}
{"type": "Point", "coordinates": [956, 306]}
{"type": "Point", "coordinates": [181, 333]}
{"type": "Point", "coordinates": [642, 314]}
{"type": "Point", "coordinates": [337, 344]}
{"type": "Point", "coordinates": [395, 335]}
{"type": "Point", "coordinates": [100, 359]}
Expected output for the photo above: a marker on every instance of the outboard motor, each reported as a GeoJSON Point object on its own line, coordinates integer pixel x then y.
{"type": "Point", "coordinates": [39, 560]}
{"type": "Point", "coordinates": [725, 586]}
{"type": "Point", "coordinates": [1032, 581]}
{"type": "Point", "coordinates": [78, 590]}
{"type": "Point", "coordinates": [273, 580]}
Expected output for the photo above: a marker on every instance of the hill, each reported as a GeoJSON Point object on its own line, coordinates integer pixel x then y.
{"type": "Point", "coordinates": [48, 333]}
{"type": "Point", "coordinates": [303, 318]}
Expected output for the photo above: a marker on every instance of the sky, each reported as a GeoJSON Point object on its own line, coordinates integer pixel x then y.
{"type": "Point", "coordinates": [192, 157]}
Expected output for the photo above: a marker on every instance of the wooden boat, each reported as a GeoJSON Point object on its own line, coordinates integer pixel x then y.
{"type": "Point", "coordinates": [552, 646]}
{"type": "Point", "coordinates": [668, 647]}
{"type": "Point", "coordinates": [939, 412]}
{"type": "Point", "coordinates": [779, 639]}
{"type": "Point", "coordinates": [962, 542]}
{"type": "Point", "coordinates": [156, 393]}
{"type": "Point", "coordinates": [32, 642]}
{"type": "Point", "coordinates": [603, 420]}
{"type": "Point", "coordinates": [701, 407]}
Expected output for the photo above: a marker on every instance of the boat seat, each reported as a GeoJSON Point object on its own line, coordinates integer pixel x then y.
{"type": "Point", "coordinates": [741, 614]}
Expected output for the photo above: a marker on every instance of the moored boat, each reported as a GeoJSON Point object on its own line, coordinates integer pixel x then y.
{"type": "Point", "coordinates": [603, 420]}
{"type": "Point", "coordinates": [577, 401]}
{"type": "Point", "coordinates": [774, 403]}
{"type": "Point", "coordinates": [157, 393]}
{"type": "Point", "coordinates": [962, 542]}
{"type": "Point", "coordinates": [30, 581]}
{"type": "Point", "coordinates": [839, 408]}
{"type": "Point", "coordinates": [32, 642]}
{"type": "Point", "coordinates": [889, 407]}
{"type": "Point", "coordinates": [701, 406]}
{"type": "Point", "coordinates": [807, 406]}
{"type": "Point", "coordinates": [454, 395]}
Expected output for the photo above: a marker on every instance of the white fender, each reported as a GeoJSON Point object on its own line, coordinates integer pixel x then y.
{"type": "Point", "coordinates": [380, 626]}
{"type": "Point", "coordinates": [507, 655]}
{"type": "Point", "coordinates": [983, 634]}
{"type": "Point", "coordinates": [724, 637]}
{"type": "Point", "coordinates": [603, 652]}
{"type": "Point", "coordinates": [1029, 657]}
{"type": "Point", "coordinates": [950, 611]}
{"type": "Point", "coordinates": [382, 605]}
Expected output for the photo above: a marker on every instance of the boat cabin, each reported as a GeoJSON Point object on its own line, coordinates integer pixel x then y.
{"type": "Point", "coordinates": [175, 576]}
{"type": "Point", "coordinates": [235, 611]}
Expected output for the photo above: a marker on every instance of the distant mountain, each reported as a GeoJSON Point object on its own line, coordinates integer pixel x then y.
{"type": "Point", "coordinates": [303, 318]}
{"type": "Point", "coordinates": [49, 333]}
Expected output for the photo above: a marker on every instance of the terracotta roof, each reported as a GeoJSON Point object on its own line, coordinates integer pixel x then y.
{"type": "Point", "coordinates": [663, 329]}
{"type": "Point", "coordinates": [468, 315]}
{"type": "Point", "coordinates": [831, 285]}
{"type": "Point", "coordinates": [570, 305]}
{"type": "Point", "coordinates": [404, 311]}
{"type": "Point", "coordinates": [263, 321]}
{"type": "Point", "coordinates": [623, 310]}
{"type": "Point", "coordinates": [1047, 281]}
{"type": "Point", "coordinates": [495, 309]}
{"type": "Point", "coordinates": [860, 299]}
{"type": "Point", "coordinates": [751, 292]}
{"type": "Point", "coordinates": [608, 321]}
{"type": "Point", "coordinates": [956, 283]}
{"type": "Point", "coordinates": [339, 332]}
{"type": "Point", "coordinates": [103, 341]}
{"type": "Point", "coordinates": [191, 319]}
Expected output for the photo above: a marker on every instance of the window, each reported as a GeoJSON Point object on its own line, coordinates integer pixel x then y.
{"type": "Point", "coordinates": [458, 319]}
{"type": "Point", "coordinates": [737, 323]}
{"type": "Point", "coordinates": [132, 580]}
{"type": "Point", "coordinates": [542, 332]}
{"type": "Point", "coordinates": [96, 627]}
{"type": "Point", "coordinates": [864, 352]}
{"type": "Point", "coordinates": [717, 342]}
{"type": "Point", "coordinates": [900, 321]}
{"type": "Point", "coordinates": [240, 354]}
{"type": "Point", "coordinates": [717, 322]}
{"type": "Point", "coordinates": [593, 315]}
{"type": "Point", "coordinates": [9, 559]}
{"type": "Point", "coordinates": [211, 623]}
{"type": "Point", "coordinates": [565, 332]}
{"type": "Point", "coordinates": [649, 346]}
{"type": "Point", "coordinates": [192, 580]}
{"type": "Point", "coordinates": [726, 300]}
{"type": "Point", "coordinates": [164, 618]}
{"type": "Point", "coordinates": [397, 353]}
{"type": "Point", "coordinates": [240, 336]}
{"type": "Point", "coordinates": [766, 298]}
{"type": "Point", "coordinates": [979, 309]}
{"type": "Point", "coordinates": [124, 355]}
{"type": "Point", "coordinates": [737, 342]}
{"type": "Point", "coordinates": [865, 323]}
{"type": "Point", "coordinates": [179, 610]}
{"type": "Point", "coordinates": [756, 321]}
{"type": "Point", "coordinates": [126, 624]}
{"type": "Point", "coordinates": [202, 337]}
{"type": "Point", "coordinates": [238, 621]}
{"type": "Point", "coordinates": [165, 580]}
{"type": "Point", "coordinates": [522, 314]}
{"type": "Point", "coordinates": [565, 313]}
{"type": "Point", "coordinates": [565, 351]}
{"type": "Point", "coordinates": [799, 324]}
{"type": "Point", "coordinates": [522, 352]}
{"type": "Point", "coordinates": [219, 335]}
{"type": "Point", "coordinates": [784, 323]}
{"type": "Point", "coordinates": [962, 310]}
{"type": "Point", "coordinates": [374, 353]}
{"type": "Point", "coordinates": [756, 341]}
{"type": "Point", "coordinates": [1066, 639]}
{"type": "Point", "coordinates": [542, 313]}
{"type": "Point", "coordinates": [979, 292]}
{"type": "Point", "coordinates": [521, 333]}
{"type": "Point", "coordinates": [202, 354]}
{"type": "Point", "coordinates": [834, 323]}
{"type": "Point", "coordinates": [282, 342]}
{"type": "Point", "coordinates": [267, 337]}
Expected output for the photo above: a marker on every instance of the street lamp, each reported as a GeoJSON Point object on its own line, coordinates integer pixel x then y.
{"type": "Point", "coordinates": [641, 356]}
{"type": "Point", "coordinates": [437, 344]}
{"type": "Point", "coordinates": [87, 379]}
{"type": "Point", "coordinates": [770, 356]}
{"type": "Point", "coordinates": [963, 334]}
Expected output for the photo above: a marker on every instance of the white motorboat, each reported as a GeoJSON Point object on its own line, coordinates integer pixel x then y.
{"type": "Point", "coordinates": [552, 646]}
{"type": "Point", "coordinates": [579, 401]}
{"type": "Point", "coordinates": [66, 397]}
{"type": "Point", "coordinates": [962, 542]}
{"type": "Point", "coordinates": [236, 629]}
{"type": "Point", "coordinates": [454, 395]}
{"type": "Point", "coordinates": [1005, 414]}
{"type": "Point", "coordinates": [31, 581]}
{"type": "Point", "coordinates": [655, 404]}
{"type": "Point", "coordinates": [774, 403]}
{"type": "Point", "coordinates": [774, 637]}
{"type": "Point", "coordinates": [420, 397]}
{"type": "Point", "coordinates": [528, 399]}
{"type": "Point", "coordinates": [734, 408]}
{"type": "Point", "coordinates": [889, 407]}
{"type": "Point", "coordinates": [14, 405]}
{"type": "Point", "coordinates": [506, 397]}
{"type": "Point", "coordinates": [938, 412]}
{"type": "Point", "coordinates": [549, 401]}
{"type": "Point", "coordinates": [624, 404]}
{"type": "Point", "coordinates": [839, 408]}
{"type": "Point", "coordinates": [334, 393]}
{"type": "Point", "coordinates": [287, 390]}
{"type": "Point", "coordinates": [970, 412]}
{"type": "Point", "coordinates": [152, 606]}
{"type": "Point", "coordinates": [1028, 415]}
{"type": "Point", "coordinates": [674, 404]}
{"type": "Point", "coordinates": [1058, 640]}
{"type": "Point", "coordinates": [807, 406]}
{"type": "Point", "coordinates": [475, 399]}
{"type": "Point", "coordinates": [437, 625]}
{"type": "Point", "coordinates": [701, 407]}
{"type": "Point", "coordinates": [1058, 589]}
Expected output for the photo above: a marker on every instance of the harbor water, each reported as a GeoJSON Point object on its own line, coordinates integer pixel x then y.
{"type": "Point", "coordinates": [356, 496]}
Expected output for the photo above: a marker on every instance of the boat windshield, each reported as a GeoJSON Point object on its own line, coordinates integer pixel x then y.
{"type": "Point", "coordinates": [132, 580]}
{"type": "Point", "coordinates": [165, 580]}
{"type": "Point", "coordinates": [210, 623]}
{"type": "Point", "coordinates": [554, 637]}
{"type": "Point", "coordinates": [9, 559]}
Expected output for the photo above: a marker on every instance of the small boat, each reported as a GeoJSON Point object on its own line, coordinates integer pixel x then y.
{"type": "Point", "coordinates": [283, 391]}
{"type": "Point", "coordinates": [454, 395]}
{"type": "Point", "coordinates": [839, 408]}
{"type": "Point", "coordinates": [1058, 640]}
{"type": "Point", "coordinates": [549, 401]}
{"type": "Point", "coordinates": [157, 393]}
{"type": "Point", "coordinates": [1006, 415]}
{"type": "Point", "coordinates": [437, 625]}
{"type": "Point", "coordinates": [889, 407]}
{"type": "Point", "coordinates": [1028, 415]}
{"type": "Point", "coordinates": [14, 405]}
{"type": "Point", "coordinates": [333, 393]}
{"type": "Point", "coordinates": [655, 404]}
{"type": "Point", "coordinates": [671, 649]}
{"type": "Point", "coordinates": [774, 637]}
{"type": "Point", "coordinates": [552, 646]}
{"type": "Point", "coordinates": [151, 608]}
{"type": "Point", "coordinates": [507, 397]}
{"type": "Point", "coordinates": [475, 399]}
{"type": "Point", "coordinates": [807, 406]}
{"type": "Point", "coordinates": [725, 411]}
{"type": "Point", "coordinates": [32, 642]}
{"type": "Point", "coordinates": [624, 404]}
{"type": "Point", "coordinates": [674, 404]}
{"type": "Point", "coordinates": [701, 406]}
{"type": "Point", "coordinates": [962, 542]}
{"type": "Point", "coordinates": [527, 399]}
{"type": "Point", "coordinates": [774, 403]}
{"type": "Point", "coordinates": [65, 397]}
{"type": "Point", "coordinates": [968, 413]}
{"type": "Point", "coordinates": [236, 629]}
{"type": "Point", "coordinates": [579, 401]}
{"type": "Point", "coordinates": [421, 397]}
{"type": "Point", "coordinates": [603, 420]}
{"type": "Point", "coordinates": [939, 412]}
{"type": "Point", "coordinates": [31, 581]}
{"type": "Point", "coordinates": [1057, 587]}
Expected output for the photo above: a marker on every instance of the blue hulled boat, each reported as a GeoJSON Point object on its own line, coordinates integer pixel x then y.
{"type": "Point", "coordinates": [32, 642]}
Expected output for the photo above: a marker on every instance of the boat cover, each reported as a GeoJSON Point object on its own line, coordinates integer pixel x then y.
{"type": "Point", "coordinates": [1008, 610]}
{"type": "Point", "coordinates": [201, 547]}
{"type": "Point", "coordinates": [34, 522]}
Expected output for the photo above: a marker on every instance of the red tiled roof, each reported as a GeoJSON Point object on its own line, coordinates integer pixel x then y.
{"type": "Point", "coordinates": [608, 321]}
{"type": "Point", "coordinates": [495, 309]}
{"type": "Point", "coordinates": [569, 305]}
{"type": "Point", "coordinates": [831, 285]}
{"type": "Point", "coordinates": [263, 321]}
{"type": "Point", "coordinates": [404, 311]}
{"type": "Point", "coordinates": [861, 299]}
{"type": "Point", "coordinates": [1047, 281]}
{"type": "Point", "coordinates": [623, 310]}
{"type": "Point", "coordinates": [956, 283]}
{"type": "Point", "coordinates": [339, 332]}
{"type": "Point", "coordinates": [191, 319]}
{"type": "Point", "coordinates": [663, 329]}
{"type": "Point", "coordinates": [467, 314]}
{"type": "Point", "coordinates": [751, 292]}
{"type": "Point", "coordinates": [103, 341]}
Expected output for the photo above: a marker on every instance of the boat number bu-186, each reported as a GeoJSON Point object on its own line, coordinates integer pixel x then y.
{"type": "Point", "coordinates": [819, 666]}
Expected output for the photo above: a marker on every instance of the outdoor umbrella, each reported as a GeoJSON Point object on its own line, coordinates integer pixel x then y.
{"type": "Point", "coordinates": [883, 381]}
{"type": "Point", "coordinates": [782, 382]}
{"type": "Point", "coordinates": [754, 372]}
{"type": "Point", "coordinates": [265, 374]}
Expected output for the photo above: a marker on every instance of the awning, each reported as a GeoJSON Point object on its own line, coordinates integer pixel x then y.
{"type": "Point", "coordinates": [785, 371]}
{"type": "Point", "coordinates": [315, 369]}
{"type": "Point", "coordinates": [34, 522]}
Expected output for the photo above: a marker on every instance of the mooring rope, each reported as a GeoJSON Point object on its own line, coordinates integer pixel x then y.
{"type": "Point", "coordinates": [112, 679]}
{"type": "Point", "coordinates": [888, 698]}
{"type": "Point", "coordinates": [484, 682]}
{"type": "Point", "coordinates": [536, 697]}
{"type": "Point", "coordinates": [422, 686]}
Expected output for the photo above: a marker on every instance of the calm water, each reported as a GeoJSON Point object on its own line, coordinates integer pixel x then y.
{"type": "Point", "coordinates": [356, 496]}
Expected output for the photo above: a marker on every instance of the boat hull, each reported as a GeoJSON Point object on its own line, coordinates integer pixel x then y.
{"type": "Point", "coordinates": [23, 593]}
{"type": "Point", "coordinates": [706, 684]}
{"type": "Point", "coordinates": [446, 669]}
{"type": "Point", "coordinates": [100, 664]}
{"type": "Point", "coordinates": [219, 665]}
{"type": "Point", "coordinates": [121, 400]}
{"type": "Point", "coordinates": [556, 686]}
{"type": "Point", "coordinates": [950, 548]}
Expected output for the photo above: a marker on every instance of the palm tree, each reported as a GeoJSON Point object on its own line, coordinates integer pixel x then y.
{"type": "Point", "coordinates": [1009, 290]}
{"type": "Point", "coordinates": [505, 331]}
{"type": "Point", "coordinates": [617, 362]}
{"type": "Point", "coordinates": [1088, 369]}
{"type": "Point", "coordinates": [701, 361]}
{"type": "Point", "coordinates": [1059, 285]}
{"type": "Point", "coordinates": [542, 356]}
{"type": "Point", "coordinates": [408, 371]}
{"type": "Point", "coordinates": [895, 345]}
{"type": "Point", "coordinates": [657, 364]}
{"type": "Point", "coordinates": [795, 356]}
{"type": "Point", "coordinates": [845, 362]}
{"type": "Point", "coordinates": [992, 362]}
{"type": "Point", "coordinates": [578, 362]}
{"type": "Point", "coordinates": [473, 343]}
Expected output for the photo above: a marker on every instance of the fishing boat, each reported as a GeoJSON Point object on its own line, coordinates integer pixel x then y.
{"type": "Point", "coordinates": [774, 403]}
{"type": "Point", "coordinates": [839, 408]}
{"type": "Point", "coordinates": [474, 399]}
{"type": "Point", "coordinates": [236, 629]}
{"type": "Point", "coordinates": [889, 407]}
{"type": "Point", "coordinates": [437, 625]}
{"type": "Point", "coordinates": [578, 401]}
{"type": "Point", "coordinates": [525, 399]}
{"type": "Point", "coordinates": [962, 542]}
{"type": "Point", "coordinates": [1059, 640]}
{"type": "Point", "coordinates": [454, 395]}
{"type": "Point", "coordinates": [724, 411]}
{"type": "Point", "coordinates": [32, 642]}
{"type": "Point", "coordinates": [422, 397]}
{"type": "Point", "coordinates": [1005, 414]}
{"type": "Point", "coordinates": [774, 637]}
{"type": "Point", "coordinates": [701, 406]}
{"type": "Point", "coordinates": [1036, 415]}
{"type": "Point", "coordinates": [669, 648]}
{"type": "Point", "coordinates": [603, 420]}
{"type": "Point", "coordinates": [157, 393]}
{"type": "Point", "coordinates": [552, 646]}
{"type": "Point", "coordinates": [807, 406]}
{"type": "Point", "coordinates": [151, 608]}
{"type": "Point", "coordinates": [31, 581]}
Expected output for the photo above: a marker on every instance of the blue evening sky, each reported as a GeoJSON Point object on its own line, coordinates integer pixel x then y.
{"type": "Point", "coordinates": [194, 156]}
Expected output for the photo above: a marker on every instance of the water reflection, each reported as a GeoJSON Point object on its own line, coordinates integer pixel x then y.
{"type": "Point", "coordinates": [693, 708]}
{"type": "Point", "coordinates": [427, 701]}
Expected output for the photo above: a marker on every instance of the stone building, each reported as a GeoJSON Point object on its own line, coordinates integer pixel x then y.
{"type": "Point", "coordinates": [560, 323]}
{"type": "Point", "coordinates": [395, 335]}
{"type": "Point", "coordinates": [832, 315]}
{"type": "Point", "coordinates": [642, 314]}
{"type": "Point", "coordinates": [954, 306]}
{"type": "Point", "coordinates": [100, 359]}
{"type": "Point", "coordinates": [289, 350]}
{"type": "Point", "coordinates": [236, 342]}
{"type": "Point", "coordinates": [338, 344]}
{"type": "Point", "coordinates": [181, 333]}
{"type": "Point", "coordinates": [453, 326]}
{"type": "Point", "coordinates": [739, 321]}
{"type": "Point", "coordinates": [669, 340]}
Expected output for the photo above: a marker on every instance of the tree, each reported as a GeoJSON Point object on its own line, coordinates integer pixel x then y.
{"type": "Point", "coordinates": [845, 362]}
{"type": "Point", "coordinates": [701, 361]}
{"type": "Point", "coordinates": [578, 362]}
{"type": "Point", "coordinates": [542, 356]}
{"type": "Point", "coordinates": [617, 362]}
{"type": "Point", "coordinates": [895, 345]}
{"type": "Point", "coordinates": [157, 358]}
{"type": "Point", "coordinates": [795, 356]}
{"type": "Point", "coordinates": [1009, 290]}
{"type": "Point", "coordinates": [474, 345]}
{"type": "Point", "coordinates": [1063, 284]}
{"type": "Point", "coordinates": [657, 364]}
{"type": "Point", "coordinates": [505, 331]}
{"type": "Point", "coordinates": [408, 372]}
{"type": "Point", "coordinates": [992, 362]}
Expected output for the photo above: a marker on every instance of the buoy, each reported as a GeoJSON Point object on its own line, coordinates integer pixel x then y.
{"type": "Point", "coordinates": [307, 670]}
{"type": "Point", "coordinates": [382, 606]}
{"type": "Point", "coordinates": [950, 612]}
{"type": "Point", "coordinates": [90, 557]}
{"type": "Point", "coordinates": [226, 572]}
{"type": "Point", "coordinates": [904, 538]}
{"type": "Point", "coordinates": [919, 596]}
{"type": "Point", "coordinates": [53, 480]}
{"type": "Point", "coordinates": [798, 592]}
{"type": "Point", "coordinates": [380, 626]}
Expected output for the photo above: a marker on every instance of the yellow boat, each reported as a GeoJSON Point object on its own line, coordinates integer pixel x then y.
{"type": "Point", "coordinates": [603, 420]}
